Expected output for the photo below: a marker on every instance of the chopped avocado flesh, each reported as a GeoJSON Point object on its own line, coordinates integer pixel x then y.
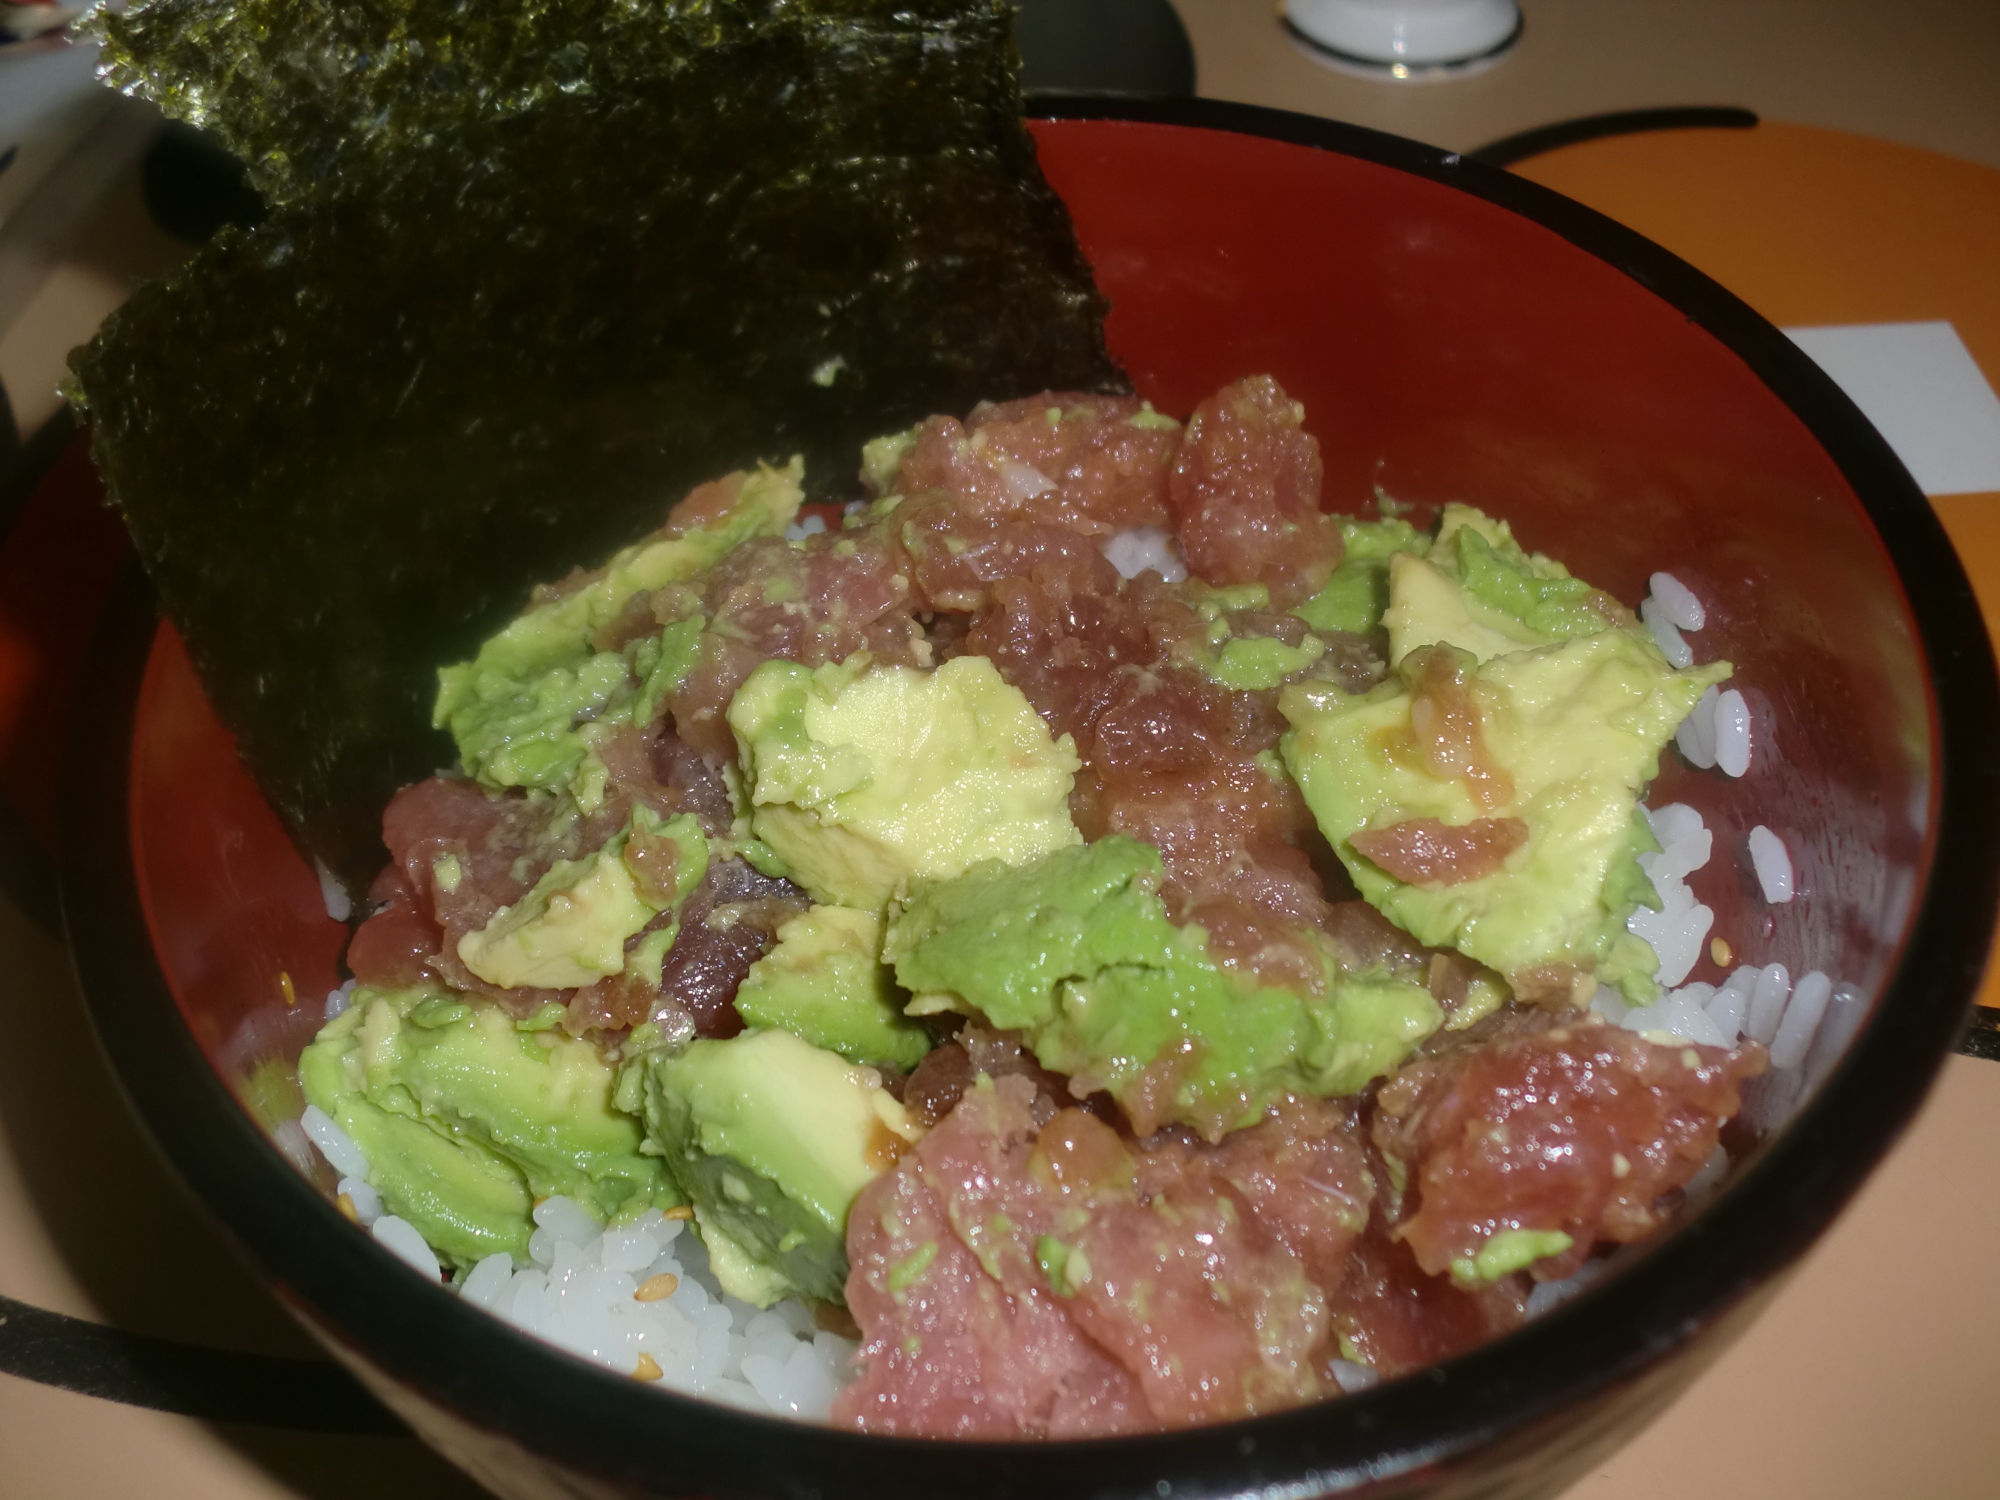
{"type": "Point", "coordinates": [772, 1139]}
{"type": "Point", "coordinates": [1427, 609]}
{"type": "Point", "coordinates": [1057, 1262]}
{"type": "Point", "coordinates": [907, 1272]}
{"type": "Point", "coordinates": [660, 663]}
{"type": "Point", "coordinates": [1480, 591]}
{"type": "Point", "coordinates": [882, 457]}
{"type": "Point", "coordinates": [514, 708]}
{"type": "Point", "coordinates": [1247, 662]}
{"type": "Point", "coordinates": [1075, 951]}
{"type": "Point", "coordinates": [1508, 1251]}
{"type": "Point", "coordinates": [1578, 729]}
{"type": "Point", "coordinates": [1545, 598]}
{"type": "Point", "coordinates": [826, 983]}
{"type": "Point", "coordinates": [861, 777]}
{"type": "Point", "coordinates": [467, 1121]}
{"type": "Point", "coordinates": [1252, 663]}
{"type": "Point", "coordinates": [1354, 598]}
{"type": "Point", "coordinates": [571, 929]}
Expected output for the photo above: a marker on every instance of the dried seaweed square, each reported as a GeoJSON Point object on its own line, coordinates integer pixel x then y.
{"type": "Point", "coordinates": [532, 271]}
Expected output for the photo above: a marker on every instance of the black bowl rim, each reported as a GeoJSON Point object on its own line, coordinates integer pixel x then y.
{"type": "Point", "coordinates": [581, 1417]}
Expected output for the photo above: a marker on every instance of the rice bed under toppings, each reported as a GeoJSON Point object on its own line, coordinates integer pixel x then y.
{"type": "Point", "coordinates": [637, 1298]}
{"type": "Point", "coordinates": [1760, 1003]}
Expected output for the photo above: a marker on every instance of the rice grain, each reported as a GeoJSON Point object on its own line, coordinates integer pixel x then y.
{"type": "Point", "coordinates": [1767, 1003]}
{"type": "Point", "coordinates": [1773, 864]}
{"type": "Point", "coordinates": [1732, 733]}
{"type": "Point", "coordinates": [1802, 1016]}
{"type": "Point", "coordinates": [1677, 601]}
{"type": "Point", "coordinates": [1133, 552]}
{"type": "Point", "coordinates": [1696, 736]}
{"type": "Point", "coordinates": [1676, 650]}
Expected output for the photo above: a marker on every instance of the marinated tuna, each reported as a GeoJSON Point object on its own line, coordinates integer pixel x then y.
{"type": "Point", "coordinates": [1144, 993]}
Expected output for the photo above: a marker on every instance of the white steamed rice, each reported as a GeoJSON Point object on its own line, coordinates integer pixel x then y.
{"type": "Point", "coordinates": [1132, 552]}
{"type": "Point", "coordinates": [1773, 864]}
{"type": "Point", "coordinates": [637, 1298]}
{"type": "Point", "coordinates": [1759, 1003]}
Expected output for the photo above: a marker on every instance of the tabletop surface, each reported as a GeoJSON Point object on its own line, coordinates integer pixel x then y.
{"type": "Point", "coordinates": [1870, 195]}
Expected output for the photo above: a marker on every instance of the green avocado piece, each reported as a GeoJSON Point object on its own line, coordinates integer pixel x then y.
{"type": "Point", "coordinates": [826, 983]}
{"type": "Point", "coordinates": [772, 1138]}
{"type": "Point", "coordinates": [1427, 608]}
{"type": "Point", "coordinates": [861, 777]}
{"type": "Point", "coordinates": [1005, 940]}
{"type": "Point", "coordinates": [1354, 598]}
{"type": "Point", "coordinates": [882, 459]}
{"type": "Point", "coordinates": [1521, 598]}
{"type": "Point", "coordinates": [1076, 952]}
{"type": "Point", "coordinates": [466, 1120]}
{"type": "Point", "coordinates": [1508, 1251]}
{"type": "Point", "coordinates": [1242, 663]}
{"type": "Point", "coordinates": [514, 708]}
{"type": "Point", "coordinates": [1578, 726]}
{"type": "Point", "coordinates": [1537, 591]}
{"type": "Point", "coordinates": [571, 929]}
{"type": "Point", "coordinates": [1250, 663]}
{"type": "Point", "coordinates": [1374, 1021]}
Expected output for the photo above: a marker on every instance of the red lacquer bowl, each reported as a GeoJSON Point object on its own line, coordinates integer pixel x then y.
{"type": "Point", "coordinates": [1455, 334]}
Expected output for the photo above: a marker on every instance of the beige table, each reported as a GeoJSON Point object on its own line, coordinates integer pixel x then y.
{"type": "Point", "coordinates": [1874, 1371]}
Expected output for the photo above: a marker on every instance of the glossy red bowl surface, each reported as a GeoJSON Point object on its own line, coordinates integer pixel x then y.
{"type": "Point", "coordinates": [1454, 334]}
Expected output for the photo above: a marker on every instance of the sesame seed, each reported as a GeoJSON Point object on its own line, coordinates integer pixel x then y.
{"type": "Point", "coordinates": [1721, 952]}
{"type": "Point", "coordinates": [681, 1211]}
{"type": "Point", "coordinates": [653, 1288]}
{"type": "Point", "coordinates": [649, 1368]}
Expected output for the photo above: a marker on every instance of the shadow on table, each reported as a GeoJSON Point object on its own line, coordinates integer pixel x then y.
{"type": "Point", "coordinates": [114, 1220]}
{"type": "Point", "coordinates": [321, 1467]}
{"type": "Point", "coordinates": [96, 1227]}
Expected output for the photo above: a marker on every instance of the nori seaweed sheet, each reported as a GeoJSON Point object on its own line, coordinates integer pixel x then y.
{"type": "Point", "coordinates": [468, 351]}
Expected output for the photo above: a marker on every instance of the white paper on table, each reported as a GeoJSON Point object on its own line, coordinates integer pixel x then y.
{"type": "Point", "coordinates": [1919, 385]}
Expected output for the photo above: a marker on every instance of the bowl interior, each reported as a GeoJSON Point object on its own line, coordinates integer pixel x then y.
{"type": "Point", "coordinates": [1446, 347]}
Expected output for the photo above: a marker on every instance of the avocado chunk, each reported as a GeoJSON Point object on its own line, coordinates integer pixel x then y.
{"type": "Point", "coordinates": [825, 982]}
{"type": "Point", "coordinates": [860, 776]}
{"type": "Point", "coordinates": [1507, 1251]}
{"type": "Point", "coordinates": [1476, 588]}
{"type": "Point", "coordinates": [571, 929]}
{"type": "Point", "coordinates": [514, 709]}
{"type": "Point", "coordinates": [1576, 728]}
{"type": "Point", "coordinates": [1239, 659]}
{"type": "Point", "coordinates": [467, 1120]}
{"type": "Point", "coordinates": [1426, 608]}
{"type": "Point", "coordinates": [772, 1138]}
{"type": "Point", "coordinates": [1075, 951]}
{"type": "Point", "coordinates": [1354, 598]}
{"type": "Point", "coordinates": [882, 458]}
{"type": "Point", "coordinates": [1251, 663]}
